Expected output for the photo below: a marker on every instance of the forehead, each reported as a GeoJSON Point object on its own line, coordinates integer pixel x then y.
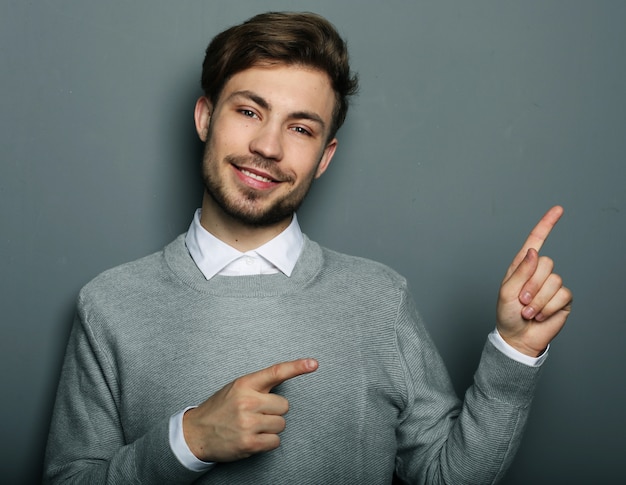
{"type": "Point", "coordinates": [286, 88]}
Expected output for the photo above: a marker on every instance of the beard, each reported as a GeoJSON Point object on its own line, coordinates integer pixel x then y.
{"type": "Point", "coordinates": [247, 205]}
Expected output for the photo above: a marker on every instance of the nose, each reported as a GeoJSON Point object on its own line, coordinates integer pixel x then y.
{"type": "Point", "coordinates": [267, 142]}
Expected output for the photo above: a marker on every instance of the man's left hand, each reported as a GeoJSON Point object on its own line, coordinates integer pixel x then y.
{"type": "Point", "coordinates": [533, 304]}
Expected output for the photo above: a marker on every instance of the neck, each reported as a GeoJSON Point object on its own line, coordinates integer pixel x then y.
{"type": "Point", "coordinates": [233, 232]}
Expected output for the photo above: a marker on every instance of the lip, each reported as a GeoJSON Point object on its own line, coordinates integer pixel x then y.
{"type": "Point", "coordinates": [250, 177]}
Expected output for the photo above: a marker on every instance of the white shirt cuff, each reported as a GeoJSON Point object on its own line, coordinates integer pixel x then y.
{"type": "Point", "coordinates": [179, 445]}
{"type": "Point", "coordinates": [499, 343]}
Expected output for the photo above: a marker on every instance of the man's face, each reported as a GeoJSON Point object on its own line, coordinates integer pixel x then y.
{"type": "Point", "coordinates": [266, 140]}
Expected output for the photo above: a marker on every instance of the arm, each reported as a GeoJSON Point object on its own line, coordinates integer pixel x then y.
{"type": "Point", "coordinates": [444, 441]}
{"type": "Point", "coordinates": [88, 443]}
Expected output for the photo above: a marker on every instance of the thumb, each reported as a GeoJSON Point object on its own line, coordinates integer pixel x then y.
{"type": "Point", "coordinates": [266, 379]}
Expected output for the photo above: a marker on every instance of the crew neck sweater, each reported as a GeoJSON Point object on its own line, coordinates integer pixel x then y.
{"type": "Point", "coordinates": [154, 335]}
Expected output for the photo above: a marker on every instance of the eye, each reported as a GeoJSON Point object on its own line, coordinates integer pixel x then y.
{"type": "Point", "coordinates": [248, 113]}
{"type": "Point", "coordinates": [302, 131]}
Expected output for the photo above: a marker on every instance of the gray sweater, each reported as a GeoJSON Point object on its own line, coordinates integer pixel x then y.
{"type": "Point", "coordinates": [154, 336]}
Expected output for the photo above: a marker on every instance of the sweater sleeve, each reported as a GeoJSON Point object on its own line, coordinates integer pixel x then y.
{"type": "Point", "coordinates": [442, 440]}
{"type": "Point", "coordinates": [87, 442]}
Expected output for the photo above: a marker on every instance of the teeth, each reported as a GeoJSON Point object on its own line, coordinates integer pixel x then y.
{"type": "Point", "coordinates": [255, 176]}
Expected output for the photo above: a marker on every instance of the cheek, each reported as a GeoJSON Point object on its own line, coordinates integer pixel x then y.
{"type": "Point", "coordinates": [217, 148]}
{"type": "Point", "coordinates": [306, 177]}
{"type": "Point", "coordinates": [225, 136]}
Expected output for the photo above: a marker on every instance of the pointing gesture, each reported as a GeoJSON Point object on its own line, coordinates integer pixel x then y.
{"type": "Point", "coordinates": [533, 304]}
{"type": "Point", "coordinates": [243, 418]}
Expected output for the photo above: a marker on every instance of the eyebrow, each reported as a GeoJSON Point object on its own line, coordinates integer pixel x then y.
{"type": "Point", "coordinates": [263, 103]}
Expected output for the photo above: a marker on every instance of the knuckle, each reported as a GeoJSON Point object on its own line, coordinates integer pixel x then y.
{"type": "Point", "coordinates": [249, 444]}
{"type": "Point", "coordinates": [253, 443]}
{"type": "Point", "coordinates": [557, 280]}
{"type": "Point", "coordinates": [242, 404]}
{"type": "Point", "coordinates": [546, 262]}
{"type": "Point", "coordinates": [272, 442]}
{"type": "Point", "coordinates": [567, 294]}
{"type": "Point", "coordinates": [282, 424]}
{"type": "Point", "coordinates": [245, 422]}
{"type": "Point", "coordinates": [239, 383]}
{"type": "Point", "coordinates": [274, 372]}
{"type": "Point", "coordinates": [505, 293]}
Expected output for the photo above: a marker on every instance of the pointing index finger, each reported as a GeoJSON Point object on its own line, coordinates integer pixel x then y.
{"type": "Point", "coordinates": [537, 236]}
{"type": "Point", "coordinates": [266, 379]}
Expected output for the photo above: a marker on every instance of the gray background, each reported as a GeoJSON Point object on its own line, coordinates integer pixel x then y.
{"type": "Point", "coordinates": [473, 119]}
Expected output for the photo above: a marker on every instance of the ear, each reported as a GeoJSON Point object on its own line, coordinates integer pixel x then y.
{"type": "Point", "coordinates": [202, 116]}
{"type": "Point", "coordinates": [327, 156]}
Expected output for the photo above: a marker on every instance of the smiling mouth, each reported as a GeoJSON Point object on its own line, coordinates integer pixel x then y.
{"type": "Point", "coordinates": [255, 176]}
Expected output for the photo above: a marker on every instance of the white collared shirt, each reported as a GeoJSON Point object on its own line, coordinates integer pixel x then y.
{"type": "Point", "coordinates": [214, 257]}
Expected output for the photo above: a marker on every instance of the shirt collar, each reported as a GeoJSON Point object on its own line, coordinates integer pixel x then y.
{"type": "Point", "coordinates": [212, 255]}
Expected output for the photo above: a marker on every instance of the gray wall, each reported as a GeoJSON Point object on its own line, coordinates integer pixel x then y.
{"type": "Point", "coordinates": [473, 119]}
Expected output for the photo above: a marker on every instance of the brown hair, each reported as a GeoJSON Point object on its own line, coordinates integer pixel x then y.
{"type": "Point", "coordinates": [290, 38]}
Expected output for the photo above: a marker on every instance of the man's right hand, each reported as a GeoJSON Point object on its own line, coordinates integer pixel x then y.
{"type": "Point", "coordinates": [243, 418]}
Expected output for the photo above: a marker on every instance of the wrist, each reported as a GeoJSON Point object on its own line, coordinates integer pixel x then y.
{"type": "Point", "coordinates": [499, 343]}
{"type": "Point", "coordinates": [521, 346]}
{"type": "Point", "coordinates": [181, 449]}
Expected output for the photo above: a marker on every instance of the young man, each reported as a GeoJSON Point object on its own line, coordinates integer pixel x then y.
{"type": "Point", "coordinates": [182, 366]}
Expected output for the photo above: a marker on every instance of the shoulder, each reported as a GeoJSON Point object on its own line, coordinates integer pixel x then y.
{"type": "Point", "coordinates": [360, 269]}
{"type": "Point", "coordinates": [126, 281]}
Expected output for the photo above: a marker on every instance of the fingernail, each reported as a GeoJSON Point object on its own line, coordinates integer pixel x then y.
{"type": "Point", "coordinates": [526, 298]}
{"type": "Point", "coordinates": [540, 317]}
{"type": "Point", "coordinates": [528, 313]}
